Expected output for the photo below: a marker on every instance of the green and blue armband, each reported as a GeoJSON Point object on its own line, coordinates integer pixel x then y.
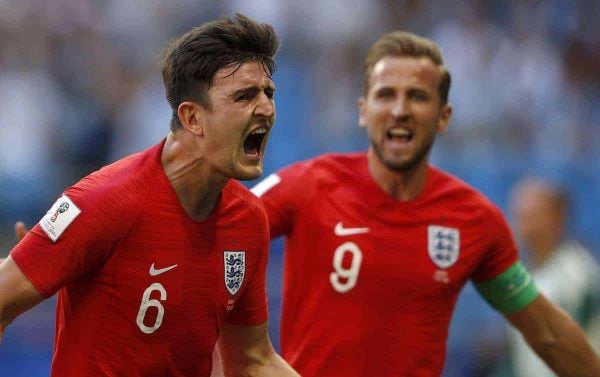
{"type": "Point", "coordinates": [510, 291]}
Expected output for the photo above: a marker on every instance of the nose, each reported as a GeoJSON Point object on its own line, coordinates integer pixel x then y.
{"type": "Point", "coordinates": [401, 108]}
{"type": "Point", "coordinates": [265, 106]}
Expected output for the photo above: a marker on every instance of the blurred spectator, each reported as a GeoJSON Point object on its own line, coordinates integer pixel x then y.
{"type": "Point", "coordinates": [563, 269]}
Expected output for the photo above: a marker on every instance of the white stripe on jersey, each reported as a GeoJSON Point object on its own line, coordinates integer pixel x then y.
{"type": "Point", "coordinates": [265, 185]}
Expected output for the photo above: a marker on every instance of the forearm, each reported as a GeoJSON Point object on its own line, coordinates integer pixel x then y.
{"type": "Point", "coordinates": [17, 294]}
{"type": "Point", "coordinates": [567, 350]}
{"type": "Point", "coordinates": [564, 347]}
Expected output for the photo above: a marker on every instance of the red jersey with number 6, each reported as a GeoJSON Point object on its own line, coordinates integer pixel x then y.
{"type": "Point", "coordinates": [142, 288]}
{"type": "Point", "coordinates": [370, 282]}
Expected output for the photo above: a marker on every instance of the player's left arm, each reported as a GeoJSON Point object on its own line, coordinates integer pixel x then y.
{"type": "Point", "coordinates": [548, 330]}
{"type": "Point", "coordinates": [507, 286]}
{"type": "Point", "coordinates": [556, 338]}
{"type": "Point", "coordinates": [247, 351]}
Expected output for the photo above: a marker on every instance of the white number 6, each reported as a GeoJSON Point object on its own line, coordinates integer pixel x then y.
{"type": "Point", "coordinates": [148, 303]}
{"type": "Point", "coordinates": [344, 279]}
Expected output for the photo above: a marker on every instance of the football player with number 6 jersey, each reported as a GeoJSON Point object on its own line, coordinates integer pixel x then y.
{"type": "Point", "coordinates": [156, 256]}
{"type": "Point", "coordinates": [379, 244]}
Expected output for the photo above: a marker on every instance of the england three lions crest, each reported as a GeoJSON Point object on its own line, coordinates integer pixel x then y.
{"type": "Point", "coordinates": [444, 245]}
{"type": "Point", "coordinates": [235, 267]}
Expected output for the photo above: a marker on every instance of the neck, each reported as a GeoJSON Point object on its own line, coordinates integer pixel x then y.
{"type": "Point", "coordinates": [400, 185]}
{"type": "Point", "coordinates": [197, 186]}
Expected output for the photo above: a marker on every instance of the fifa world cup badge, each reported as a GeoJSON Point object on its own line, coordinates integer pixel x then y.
{"type": "Point", "coordinates": [59, 217]}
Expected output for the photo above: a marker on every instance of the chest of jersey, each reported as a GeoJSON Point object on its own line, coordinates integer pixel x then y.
{"type": "Point", "coordinates": [386, 255]}
{"type": "Point", "coordinates": [173, 282]}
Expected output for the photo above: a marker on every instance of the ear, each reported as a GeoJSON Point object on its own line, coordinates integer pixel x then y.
{"type": "Point", "coordinates": [362, 112]}
{"type": "Point", "coordinates": [444, 120]}
{"type": "Point", "coordinates": [192, 117]}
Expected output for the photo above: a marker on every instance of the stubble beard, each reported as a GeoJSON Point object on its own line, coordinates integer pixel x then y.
{"type": "Point", "coordinates": [248, 176]}
{"type": "Point", "coordinates": [238, 170]}
{"type": "Point", "coordinates": [404, 166]}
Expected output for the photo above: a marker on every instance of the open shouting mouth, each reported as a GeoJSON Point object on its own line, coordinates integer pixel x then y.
{"type": "Point", "coordinates": [254, 142]}
{"type": "Point", "coordinates": [401, 135]}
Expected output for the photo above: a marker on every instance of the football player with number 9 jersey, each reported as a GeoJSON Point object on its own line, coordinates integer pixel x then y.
{"type": "Point", "coordinates": [379, 244]}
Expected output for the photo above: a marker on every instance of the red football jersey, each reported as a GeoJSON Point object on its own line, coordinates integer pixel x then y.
{"type": "Point", "coordinates": [370, 282]}
{"type": "Point", "coordinates": [142, 288]}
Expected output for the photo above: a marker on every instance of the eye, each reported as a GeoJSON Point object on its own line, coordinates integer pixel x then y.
{"type": "Point", "coordinates": [385, 93]}
{"type": "Point", "coordinates": [419, 95]}
{"type": "Point", "coordinates": [270, 93]}
{"type": "Point", "coordinates": [246, 94]}
{"type": "Point", "coordinates": [244, 97]}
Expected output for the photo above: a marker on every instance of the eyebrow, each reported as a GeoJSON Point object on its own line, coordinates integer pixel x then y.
{"type": "Point", "coordinates": [246, 90]}
{"type": "Point", "coordinates": [251, 89]}
{"type": "Point", "coordinates": [412, 88]}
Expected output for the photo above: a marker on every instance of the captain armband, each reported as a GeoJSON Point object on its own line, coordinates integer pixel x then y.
{"type": "Point", "coordinates": [510, 291]}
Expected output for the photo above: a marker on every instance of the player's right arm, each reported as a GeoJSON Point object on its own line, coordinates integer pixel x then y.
{"type": "Point", "coordinates": [39, 266]}
{"type": "Point", "coordinates": [17, 293]}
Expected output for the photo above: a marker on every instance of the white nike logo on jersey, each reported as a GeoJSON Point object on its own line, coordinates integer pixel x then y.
{"type": "Point", "coordinates": [154, 271]}
{"type": "Point", "coordinates": [341, 231]}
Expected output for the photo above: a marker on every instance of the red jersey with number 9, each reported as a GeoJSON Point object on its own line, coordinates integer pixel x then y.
{"type": "Point", "coordinates": [370, 282]}
{"type": "Point", "coordinates": [142, 288]}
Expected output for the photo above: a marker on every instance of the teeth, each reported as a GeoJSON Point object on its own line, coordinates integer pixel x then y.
{"type": "Point", "coordinates": [260, 130]}
{"type": "Point", "coordinates": [399, 132]}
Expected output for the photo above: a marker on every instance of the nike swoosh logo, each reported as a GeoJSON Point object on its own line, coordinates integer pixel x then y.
{"type": "Point", "coordinates": [154, 271]}
{"type": "Point", "coordinates": [339, 230]}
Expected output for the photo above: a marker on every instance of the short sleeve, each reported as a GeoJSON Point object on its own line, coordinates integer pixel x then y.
{"type": "Point", "coordinates": [52, 262]}
{"type": "Point", "coordinates": [251, 308]}
{"type": "Point", "coordinates": [501, 251]}
{"type": "Point", "coordinates": [282, 194]}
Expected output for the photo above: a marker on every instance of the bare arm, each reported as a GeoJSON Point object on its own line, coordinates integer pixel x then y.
{"type": "Point", "coordinates": [556, 338]}
{"type": "Point", "coordinates": [247, 351]}
{"type": "Point", "coordinates": [17, 294]}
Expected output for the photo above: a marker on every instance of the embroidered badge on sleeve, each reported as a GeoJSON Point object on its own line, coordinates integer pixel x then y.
{"type": "Point", "coordinates": [59, 217]}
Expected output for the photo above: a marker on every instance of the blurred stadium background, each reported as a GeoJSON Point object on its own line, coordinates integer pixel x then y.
{"type": "Point", "coordinates": [79, 87]}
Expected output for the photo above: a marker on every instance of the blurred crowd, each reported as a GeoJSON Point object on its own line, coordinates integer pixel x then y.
{"type": "Point", "coordinates": [80, 87]}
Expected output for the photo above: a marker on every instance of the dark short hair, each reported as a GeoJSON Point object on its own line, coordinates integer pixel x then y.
{"type": "Point", "coordinates": [190, 62]}
{"type": "Point", "coordinates": [402, 43]}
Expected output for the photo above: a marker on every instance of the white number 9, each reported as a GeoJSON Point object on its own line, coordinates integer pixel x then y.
{"type": "Point", "coordinates": [344, 279]}
{"type": "Point", "coordinates": [148, 303]}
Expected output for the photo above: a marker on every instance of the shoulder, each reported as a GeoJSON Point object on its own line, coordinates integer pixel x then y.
{"type": "Point", "coordinates": [120, 186]}
{"type": "Point", "coordinates": [332, 162]}
{"type": "Point", "coordinates": [325, 166]}
{"type": "Point", "coordinates": [302, 178]}
{"type": "Point", "coordinates": [461, 194]}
